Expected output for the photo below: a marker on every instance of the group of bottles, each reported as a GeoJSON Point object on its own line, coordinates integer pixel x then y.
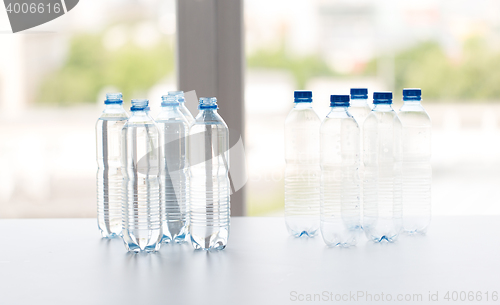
{"type": "Point", "coordinates": [360, 169]}
{"type": "Point", "coordinates": [163, 180]}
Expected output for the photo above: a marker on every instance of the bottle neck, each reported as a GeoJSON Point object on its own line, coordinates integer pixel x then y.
{"type": "Point", "coordinates": [338, 108]}
{"type": "Point", "coordinates": [383, 107]}
{"type": "Point", "coordinates": [411, 103]}
{"type": "Point", "coordinates": [140, 113]}
{"type": "Point", "coordinates": [169, 111]}
{"type": "Point", "coordinates": [338, 112]}
{"type": "Point", "coordinates": [114, 108]}
{"type": "Point", "coordinates": [208, 110]}
{"type": "Point", "coordinates": [208, 115]}
{"type": "Point", "coordinates": [170, 107]}
{"type": "Point", "coordinates": [302, 105]}
{"type": "Point", "coordinates": [359, 102]}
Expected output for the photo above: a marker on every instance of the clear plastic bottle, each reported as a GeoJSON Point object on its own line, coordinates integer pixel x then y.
{"type": "Point", "coordinates": [182, 105]}
{"type": "Point", "coordinates": [417, 171]}
{"type": "Point", "coordinates": [302, 173]}
{"type": "Point", "coordinates": [360, 109]}
{"type": "Point", "coordinates": [382, 212]}
{"type": "Point", "coordinates": [109, 172]}
{"type": "Point", "coordinates": [208, 151]}
{"type": "Point", "coordinates": [340, 142]}
{"type": "Point", "coordinates": [173, 128]}
{"type": "Point", "coordinates": [141, 210]}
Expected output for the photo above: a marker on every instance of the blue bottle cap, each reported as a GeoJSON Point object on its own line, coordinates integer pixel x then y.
{"type": "Point", "coordinates": [169, 100]}
{"type": "Point", "coordinates": [208, 103]}
{"type": "Point", "coordinates": [382, 97]}
{"type": "Point", "coordinates": [339, 100]}
{"type": "Point", "coordinates": [302, 96]}
{"type": "Point", "coordinates": [178, 94]}
{"type": "Point", "coordinates": [139, 105]}
{"type": "Point", "coordinates": [412, 94]}
{"type": "Point", "coordinates": [114, 98]}
{"type": "Point", "coordinates": [359, 93]}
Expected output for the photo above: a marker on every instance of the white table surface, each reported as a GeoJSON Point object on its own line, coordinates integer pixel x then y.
{"type": "Point", "coordinates": [64, 261]}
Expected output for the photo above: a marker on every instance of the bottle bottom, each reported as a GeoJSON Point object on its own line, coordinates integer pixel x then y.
{"type": "Point", "coordinates": [299, 226]}
{"type": "Point", "coordinates": [209, 238]}
{"type": "Point", "coordinates": [175, 231]}
{"type": "Point", "coordinates": [108, 235]}
{"type": "Point", "coordinates": [178, 239]}
{"type": "Point", "coordinates": [416, 225]}
{"type": "Point", "coordinates": [382, 229]}
{"type": "Point", "coordinates": [142, 240]}
{"type": "Point", "coordinates": [378, 238]}
{"type": "Point", "coordinates": [340, 235]}
{"type": "Point", "coordinates": [339, 243]}
{"type": "Point", "coordinates": [415, 231]}
{"type": "Point", "coordinates": [148, 249]}
{"type": "Point", "coordinates": [111, 228]}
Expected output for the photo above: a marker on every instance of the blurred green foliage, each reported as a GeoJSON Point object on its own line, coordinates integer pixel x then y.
{"type": "Point", "coordinates": [302, 68]}
{"type": "Point", "coordinates": [472, 75]}
{"type": "Point", "coordinates": [89, 67]}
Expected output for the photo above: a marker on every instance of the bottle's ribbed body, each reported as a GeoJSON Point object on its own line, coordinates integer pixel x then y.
{"type": "Point", "coordinates": [382, 211]}
{"type": "Point", "coordinates": [340, 185]}
{"type": "Point", "coordinates": [360, 109]}
{"type": "Point", "coordinates": [417, 177]}
{"type": "Point", "coordinates": [175, 198]}
{"type": "Point", "coordinates": [417, 171]}
{"type": "Point", "coordinates": [340, 211]}
{"type": "Point", "coordinates": [209, 212]}
{"type": "Point", "coordinates": [173, 128]}
{"type": "Point", "coordinates": [209, 208]}
{"type": "Point", "coordinates": [303, 171]}
{"type": "Point", "coordinates": [141, 211]}
{"type": "Point", "coordinates": [109, 173]}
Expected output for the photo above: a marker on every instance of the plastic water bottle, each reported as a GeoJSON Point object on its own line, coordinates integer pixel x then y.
{"type": "Point", "coordinates": [141, 210]}
{"type": "Point", "coordinates": [360, 109]}
{"type": "Point", "coordinates": [109, 172]}
{"type": "Point", "coordinates": [182, 105]}
{"type": "Point", "coordinates": [382, 212]}
{"type": "Point", "coordinates": [208, 150]}
{"type": "Point", "coordinates": [417, 171]}
{"type": "Point", "coordinates": [340, 142]}
{"type": "Point", "coordinates": [173, 128]}
{"type": "Point", "coordinates": [302, 173]}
